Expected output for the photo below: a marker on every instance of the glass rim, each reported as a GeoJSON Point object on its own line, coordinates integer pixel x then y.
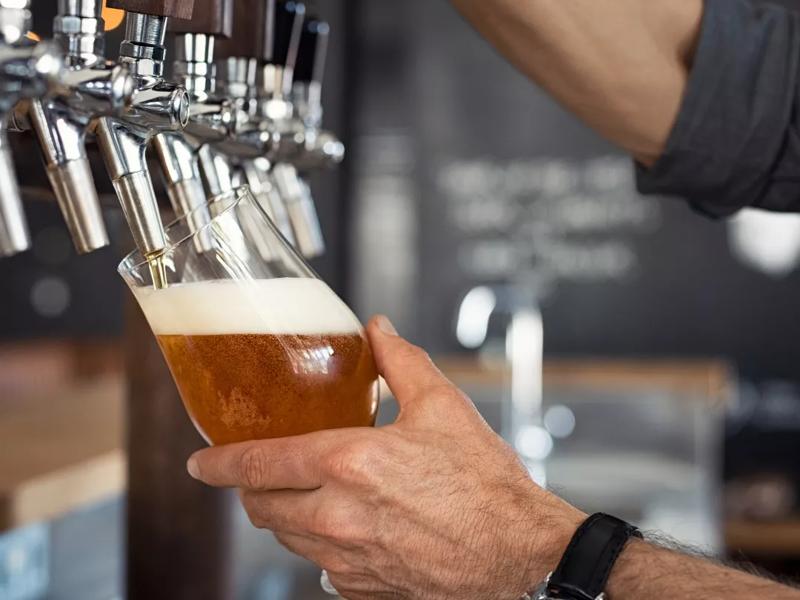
{"type": "Point", "coordinates": [140, 261]}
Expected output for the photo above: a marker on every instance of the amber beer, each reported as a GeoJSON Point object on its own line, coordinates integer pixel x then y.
{"type": "Point", "coordinates": [264, 359]}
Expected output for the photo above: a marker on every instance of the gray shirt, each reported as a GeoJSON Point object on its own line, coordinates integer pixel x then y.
{"type": "Point", "coordinates": [736, 142]}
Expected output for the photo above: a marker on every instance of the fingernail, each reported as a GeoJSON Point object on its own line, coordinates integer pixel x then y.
{"type": "Point", "coordinates": [193, 468]}
{"type": "Point", "coordinates": [385, 325]}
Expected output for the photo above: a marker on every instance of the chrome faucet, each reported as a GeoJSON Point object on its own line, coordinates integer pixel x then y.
{"type": "Point", "coordinates": [27, 70]}
{"type": "Point", "coordinates": [278, 114]}
{"type": "Point", "coordinates": [252, 143]}
{"type": "Point", "coordinates": [321, 148]}
{"type": "Point", "coordinates": [157, 106]}
{"type": "Point", "coordinates": [524, 355]}
{"type": "Point", "coordinates": [212, 120]}
{"type": "Point", "coordinates": [89, 87]}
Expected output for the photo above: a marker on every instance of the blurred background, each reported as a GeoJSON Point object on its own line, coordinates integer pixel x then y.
{"type": "Point", "coordinates": [504, 237]}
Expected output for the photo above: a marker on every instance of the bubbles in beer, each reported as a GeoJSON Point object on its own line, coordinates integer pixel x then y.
{"type": "Point", "coordinates": [264, 359]}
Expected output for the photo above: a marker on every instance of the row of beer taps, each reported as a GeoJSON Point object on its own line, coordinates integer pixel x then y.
{"type": "Point", "coordinates": [214, 125]}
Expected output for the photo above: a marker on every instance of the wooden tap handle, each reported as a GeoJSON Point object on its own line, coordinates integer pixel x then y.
{"type": "Point", "coordinates": [253, 27]}
{"type": "Point", "coordinates": [214, 17]}
{"type": "Point", "coordinates": [178, 9]}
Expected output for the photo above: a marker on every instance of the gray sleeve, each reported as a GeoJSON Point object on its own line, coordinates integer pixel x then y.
{"type": "Point", "coordinates": [736, 142]}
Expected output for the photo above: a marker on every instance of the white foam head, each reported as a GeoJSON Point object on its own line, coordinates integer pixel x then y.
{"type": "Point", "coordinates": [273, 306]}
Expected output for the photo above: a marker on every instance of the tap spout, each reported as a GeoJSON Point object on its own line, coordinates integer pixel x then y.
{"type": "Point", "coordinates": [14, 236]}
{"type": "Point", "coordinates": [63, 144]}
{"type": "Point", "coordinates": [124, 152]}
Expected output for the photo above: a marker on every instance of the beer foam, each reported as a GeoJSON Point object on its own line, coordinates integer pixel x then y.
{"type": "Point", "coordinates": [275, 306]}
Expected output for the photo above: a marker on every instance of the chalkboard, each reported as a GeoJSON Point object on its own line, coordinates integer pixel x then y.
{"type": "Point", "coordinates": [466, 174]}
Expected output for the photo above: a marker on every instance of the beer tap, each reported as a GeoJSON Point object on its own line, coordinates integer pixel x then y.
{"type": "Point", "coordinates": [276, 108]}
{"type": "Point", "coordinates": [89, 87]}
{"type": "Point", "coordinates": [246, 156]}
{"type": "Point", "coordinates": [212, 119]}
{"type": "Point", "coordinates": [157, 106]}
{"type": "Point", "coordinates": [27, 70]}
{"type": "Point", "coordinates": [322, 148]}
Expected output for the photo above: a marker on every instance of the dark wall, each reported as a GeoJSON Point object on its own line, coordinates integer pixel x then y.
{"type": "Point", "coordinates": [468, 174]}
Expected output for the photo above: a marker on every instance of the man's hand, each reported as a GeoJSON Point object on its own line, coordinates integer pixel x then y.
{"type": "Point", "coordinates": [434, 506]}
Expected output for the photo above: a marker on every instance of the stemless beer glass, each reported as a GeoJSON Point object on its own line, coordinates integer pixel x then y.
{"type": "Point", "coordinates": [258, 345]}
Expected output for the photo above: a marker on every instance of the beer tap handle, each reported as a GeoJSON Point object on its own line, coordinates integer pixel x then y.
{"type": "Point", "coordinates": [178, 9]}
{"type": "Point", "coordinates": [14, 236]}
{"type": "Point", "coordinates": [253, 22]}
{"type": "Point", "coordinates": [210, 17]}
{"type": "Point", "coordinates": [313, 52]}
{"type": "Point", "coordinates": [289, 17]}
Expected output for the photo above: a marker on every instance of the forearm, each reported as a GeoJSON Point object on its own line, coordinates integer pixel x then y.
{"type": "Point", "coordinates": [648, 571]}
{"type": "Point", "coordinates": [620, 65]}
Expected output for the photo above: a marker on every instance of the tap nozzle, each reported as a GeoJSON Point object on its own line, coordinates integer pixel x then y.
{"type": "Point", "coordinates": [62, 141]}
{"type": "Point", "coordinates": [302, 212]}
{"type": "Point", "coordinates": [26, 71]}
{"type": "Point", "coordinates": [156, 107]}
{"type": "Point", "coordinates": [14, 236]}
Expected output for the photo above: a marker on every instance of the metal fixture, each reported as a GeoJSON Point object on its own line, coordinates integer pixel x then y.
{"type": "Point", "coordinates": [27, 70]}
{"type": "Point", "coordinates": [278, 116]}
{"type": "Point", "coordinates": [88, 87]}
{"type": "Point", "coordinates": [157, 106]}
{"type": "Point", "coordinates": [523, 350]}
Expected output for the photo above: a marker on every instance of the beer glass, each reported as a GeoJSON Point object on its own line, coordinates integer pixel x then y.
{"type": "Point", "coordinates": [259, 347]}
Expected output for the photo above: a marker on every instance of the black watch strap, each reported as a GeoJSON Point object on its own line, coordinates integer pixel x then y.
{"type": "Point", "coordinates": [586, 565]}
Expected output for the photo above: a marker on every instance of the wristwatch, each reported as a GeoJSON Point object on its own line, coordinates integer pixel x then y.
{"type": "Point", "coordinates": [586, 565]}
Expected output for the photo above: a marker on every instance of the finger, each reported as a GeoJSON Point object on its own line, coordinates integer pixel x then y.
{"type": "Point", "coordinates": [407, 369]}
{"type": "Point", "coordinates": [286, 463]}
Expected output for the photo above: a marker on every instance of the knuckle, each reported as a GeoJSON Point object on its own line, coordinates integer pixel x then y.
{"type": "Point", "coordinates": [413, 353]}
{"type": "Point", "coordinates": [254, 509]}
{"type": "Point", "coordinates": [333, 524]}
{"type": "Point", "coordinates": [356, 462]}
{"type": "Point", "coordinates": [253, 468]}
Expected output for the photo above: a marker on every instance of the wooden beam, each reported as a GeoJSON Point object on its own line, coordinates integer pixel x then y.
{"type": "Point", "coordinates": [178, 9]}
{"type": "Point", "coordinates": [214, 17]}
{"type": "Point", "coordinates": [179, 531]}
{"type": "Point", "coordinates": [253, 27]}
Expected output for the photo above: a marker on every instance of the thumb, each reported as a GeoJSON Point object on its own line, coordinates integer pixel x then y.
{"type": "Point", "coordinates": [407, 369]}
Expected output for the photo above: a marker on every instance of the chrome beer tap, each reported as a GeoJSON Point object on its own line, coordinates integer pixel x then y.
{"type": "Point", "coordinates": [321, 148]}
{"type": "Point", "coordinates": [27, 70]}
{"type": "Point", "coordinates": [89, 87]}
{"type": "Point", "coordinates": [277, 109]}
{"type": "Point", "coordinates": [212, 119]}
{"type": "Point", "coordinates": [245, 157]}
{"type": "Point", "coordinates": [157, 106]}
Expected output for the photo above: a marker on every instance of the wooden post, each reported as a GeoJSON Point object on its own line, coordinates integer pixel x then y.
{"type": "Point", "coordinates": [179, 531]}
{"type": "Point", "coordinates": [253, 24]}
{"type": "Point", "coordinates": [178, 9]}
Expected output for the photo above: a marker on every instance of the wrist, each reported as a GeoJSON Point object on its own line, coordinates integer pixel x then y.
{"type": "Point", "coordinates": [549, 534]}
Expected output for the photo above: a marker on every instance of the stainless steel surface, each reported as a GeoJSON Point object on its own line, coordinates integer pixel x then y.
{"type": "Point", "coordinates": [124, 152]}
{"type": "Point", "coordinates": [217, 171]}
{"type": "Point", "coordinates": [78, 28]}
{"type": "Point", "coordinates": [155, 107]}
{"type": "Point", "coordinates": [15, 20]}
{"type": "Point", "coordinates": [300, 206]}
{"type": "Point", "coordinates": [26, 71]}
{"type": "Point", "coordinates": [62, 142]}
{"type": "Point", "coordinates": [523, 349]}
{"type": "Point", "coordinates": [14, 236]}
{"type": "Point", "coordinates": [143, 48]}
{"type": "Point", "coordinates": [257, 173]}
{"type": "Point", "coordinates": [138, 200]}
{"type": "Point", "coordinates": [74, 189]}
